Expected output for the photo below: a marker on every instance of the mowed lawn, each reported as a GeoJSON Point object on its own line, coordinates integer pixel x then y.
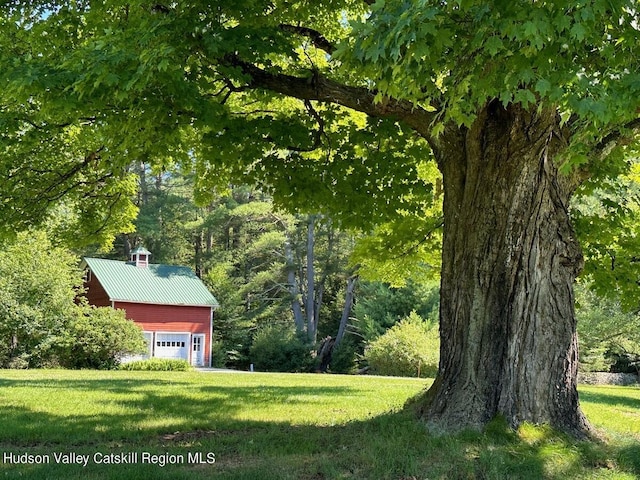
{"type": "Point", "coordinates": [166, 425]}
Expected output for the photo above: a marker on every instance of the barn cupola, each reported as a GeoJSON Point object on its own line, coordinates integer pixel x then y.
{"type": "Point", "coordinates": [140, 257]}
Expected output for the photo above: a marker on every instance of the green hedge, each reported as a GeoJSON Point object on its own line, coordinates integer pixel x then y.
{"type": "Point", "coordinates": [157, 364]}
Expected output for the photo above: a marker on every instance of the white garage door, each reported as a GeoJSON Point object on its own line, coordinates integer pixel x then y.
{"type": "Point", "coordinates": [172, 345]}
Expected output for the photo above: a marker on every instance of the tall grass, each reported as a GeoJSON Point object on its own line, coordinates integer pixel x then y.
{"type": "Point", "coordinates": [284, 426]}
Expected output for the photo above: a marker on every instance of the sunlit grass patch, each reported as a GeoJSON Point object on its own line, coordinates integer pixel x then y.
{"type": "Point", "coordinates": [613, 408]}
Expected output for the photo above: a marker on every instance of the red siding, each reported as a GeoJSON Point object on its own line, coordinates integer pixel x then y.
{"type": "Point", "coordinates": [168, 318]}
{"type": "Point", "coordinates": [95, 293]}
{"type": "Point", "coordinates": [171, 318]}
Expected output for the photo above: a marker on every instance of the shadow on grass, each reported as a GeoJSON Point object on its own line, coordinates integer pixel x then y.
{"type": "Point", "coordinates": [114, 410]}
{"type": "Point", "coordinates": [609, 399]}
{"type": "Point", "coordinates": [107, 384]}
{"type": "Point", "coordinates": [395, 446]}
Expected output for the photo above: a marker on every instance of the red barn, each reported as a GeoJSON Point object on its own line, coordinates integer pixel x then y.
{"type": "Point", "coordinates": [170, 303]}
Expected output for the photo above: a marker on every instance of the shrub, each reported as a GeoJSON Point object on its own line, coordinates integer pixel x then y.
{"type": "Point", "coordinates": [344, 357]}
{"type": "Point", "coordinates": [593, 358]}
{"type": "Point", "coordinates": [157, 365]}
{"type": "Point", "coordinates": [277, 348]}
{"type": "Point", "coordinates": [19, 363]}
{"type": "Point", "coordinates": [410, 348]}
{"type": "Point", "coordinates": [99, 338]}
{"type": "Point", "coordinates": [218, 353]}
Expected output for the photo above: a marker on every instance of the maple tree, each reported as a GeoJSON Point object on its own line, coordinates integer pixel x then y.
{"type": "Point", "coordinates": [337, 106]}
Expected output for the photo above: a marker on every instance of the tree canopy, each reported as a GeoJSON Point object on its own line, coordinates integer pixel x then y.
{"type": "Point", "coordinates": [453, 56]}
{"type": "Point", "coordinates": [115, 82]}
{"type": "Point", "coordinates": [255, 91]}
{"type": "Point", "coordinates": [202, 83]}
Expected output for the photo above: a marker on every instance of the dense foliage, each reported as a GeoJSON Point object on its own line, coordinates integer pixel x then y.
{"type": "Point", "coordinates": [606, 215]}
{"type": "Point", "coordinates": [381, 305]}
{"type": "Point", "coordinates": [607, 218]}
{"type": "Point", "coordinates": [574, 56]}
{"type": "Point", "coordinates": [410, 349]}
{"type": "Point", "coordinates": [277, 348]}
{"type": "Point", "coordinates": [100, 338]}
{"type": "Point", "coordinates": [609, 336]}
{"type": "Point", "coordinates": [38, 287]}
{"type": "Point", "coordinates": [238, 244]}
{"type": "Point", "coordinates": [44, 322]}
{"type": "Point", "coordinates": [250, 254]}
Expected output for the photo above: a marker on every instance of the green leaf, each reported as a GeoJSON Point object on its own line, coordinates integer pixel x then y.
{"type": "Point", "coordinates": [437, 129]}
{"type": "Point", "coordinates": [578, 32]}
{"type": "Point", "coordinates": [543, 86]}
{"type": "Point", "coordinates": [530, 29]}
{"type": "Point", "coordinates": [493, 45]}
{"type": "Point", "coordinates": [506, 97]}
{"type": "Point", "coordinates": [524, 97]}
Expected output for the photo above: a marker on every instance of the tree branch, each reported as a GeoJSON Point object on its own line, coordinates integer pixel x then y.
{"type": "Point", "coordinates": [322, 89]}
{"type": "Point", "coordinates": [318, 40]}
{"type": "Point", "coordinates": [621, 136]}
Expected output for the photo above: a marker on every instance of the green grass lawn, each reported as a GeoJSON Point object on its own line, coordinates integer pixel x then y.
{"type": "Point", "coordinates": [170, 425]}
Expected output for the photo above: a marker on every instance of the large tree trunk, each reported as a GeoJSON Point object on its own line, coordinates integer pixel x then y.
{"type": "Point", "coordinates": [507, 325]}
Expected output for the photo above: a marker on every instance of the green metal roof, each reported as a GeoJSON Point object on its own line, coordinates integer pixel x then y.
{"type": "Point", "coordinates": [155, 283]}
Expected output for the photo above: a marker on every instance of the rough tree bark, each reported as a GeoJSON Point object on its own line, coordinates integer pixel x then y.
{"type": "Point", "coordinates": [507, 325]}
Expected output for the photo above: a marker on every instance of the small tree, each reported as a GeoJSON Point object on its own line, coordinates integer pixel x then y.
{"type": "Point", "coordinates": [41, 322]}
{"type": "Point", "coordinates": [409, 349]}
{"type": "Point", "coordinates": [99, 338]}
{"type": "Point", "coordinates": [38, 287]}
